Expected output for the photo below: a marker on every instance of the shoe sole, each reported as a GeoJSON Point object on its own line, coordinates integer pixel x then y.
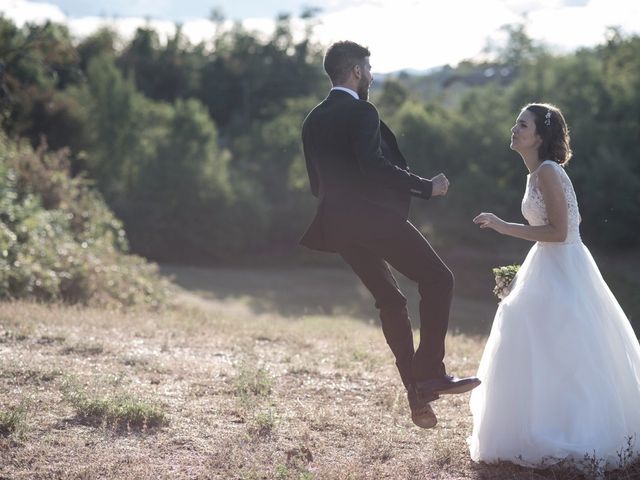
{"type": "Point", "coordinates": [459, 388]}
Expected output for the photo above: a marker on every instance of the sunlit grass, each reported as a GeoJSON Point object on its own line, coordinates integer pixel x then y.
{"type": "Point", "coordinates": [116, 411]}
{"type": "Point", "coordinates": [13, 420]}
{"type": "Point", "coordinates": [219, 392]}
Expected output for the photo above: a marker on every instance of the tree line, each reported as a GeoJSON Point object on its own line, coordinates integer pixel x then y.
{"type": "Point", "coordinates": [196, 148]}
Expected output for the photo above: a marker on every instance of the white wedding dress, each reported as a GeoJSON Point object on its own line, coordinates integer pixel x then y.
{"type": "Point", "coordinates": [561, 368]}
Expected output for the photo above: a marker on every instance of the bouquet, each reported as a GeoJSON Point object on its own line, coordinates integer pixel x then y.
{"type": "Point", "coordinates": [504, 278]}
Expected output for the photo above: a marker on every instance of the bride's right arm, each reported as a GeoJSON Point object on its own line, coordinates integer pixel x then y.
{"type": "Point", "coordinates": [553, 195]}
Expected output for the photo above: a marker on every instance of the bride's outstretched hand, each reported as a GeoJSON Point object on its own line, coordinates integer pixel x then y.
{"type": "Point", "coordinates": [489, 220]}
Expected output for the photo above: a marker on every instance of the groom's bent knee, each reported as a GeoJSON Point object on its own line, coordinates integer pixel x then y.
{"type": "Point", "coordinates": [443, 281]}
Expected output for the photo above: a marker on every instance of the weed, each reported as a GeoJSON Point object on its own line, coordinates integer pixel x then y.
{"type": "Point", "coordinates": [51, 339]}
{"type": "Point", "coordinates": [303, 370]}
{"type": "Point", "coordinates": [24, 376]}
{"type": "Point", "coordinates": [360, 356]}
{"type": "Point", "coordinates": [627, 454]}
{"type": "Point", "coordinates": [296, 467]}
{"type": "Point", "coordinates": [119, 411]}
{"type": "Point", "coordinates": [253, 383]}
{"type": "Point", "coordinates": [13, 420]}
{"type": "Point", "coordinates": [86, 349]}
{"type": "Point", "coordinates": [265, 423]}
{"type": "Point", "coordinates": [592, 466]}
{"type": "Point", "coordinates": [300, 455]}
{"type": "Point", "coordinates": [282, 472]}
{"type": "Point", "coordinates": [48, 376]}
{"type": "Point", "coordinates": [8, 336]}
{"type": "Point", "coordinates": [133, 361]}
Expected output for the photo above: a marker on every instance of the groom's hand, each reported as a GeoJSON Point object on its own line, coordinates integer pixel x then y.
{"type": "Point", "coordinates": [440, 185]}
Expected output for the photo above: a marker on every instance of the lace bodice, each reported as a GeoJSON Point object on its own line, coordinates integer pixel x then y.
{"type": "Point", "coordinates": [533, 207]}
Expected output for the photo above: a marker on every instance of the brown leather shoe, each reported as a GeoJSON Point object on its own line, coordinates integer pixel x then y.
{"type": "Point", "coordinates": [421, 412]}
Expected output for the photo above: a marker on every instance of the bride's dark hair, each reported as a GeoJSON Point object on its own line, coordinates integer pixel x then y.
{"type": "Point", "coordinates": [552, 128]}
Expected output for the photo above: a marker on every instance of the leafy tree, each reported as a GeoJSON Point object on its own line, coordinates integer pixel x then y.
{"type": "Point", "coordinates": [393, 95]}
{"type": "Point", "coordinates": [174, 210]}
{"type": "Point", "coordinates": [253, 79]}
{"type": "Point", "coordinates": [160, 72]}
{"type": "Point", "coordinates": [101, 43]}
{"type": "Point", "coordinates": [111, 127]}
{"type": "Point", "coordinates": [34, 62]}
{"type": "Point", "coordinates": [269, 156]}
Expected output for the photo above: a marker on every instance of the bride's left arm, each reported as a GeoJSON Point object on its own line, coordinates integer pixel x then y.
{"type": "Point", "coordinates": [553, 195]}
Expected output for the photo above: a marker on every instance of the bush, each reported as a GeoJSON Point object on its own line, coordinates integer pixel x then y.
{"type": "Point", "coordinates": [58, 239]}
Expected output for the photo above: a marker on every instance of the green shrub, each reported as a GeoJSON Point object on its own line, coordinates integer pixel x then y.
{"type": "Point", "coordinates": [58, 239]}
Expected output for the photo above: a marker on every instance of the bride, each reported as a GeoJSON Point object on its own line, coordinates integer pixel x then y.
{"type": "Point", "coordinates": [561, 368]}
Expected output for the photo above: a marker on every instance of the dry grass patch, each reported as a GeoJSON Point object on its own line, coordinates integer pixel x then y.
{"type": "Point", "coordinates": [201, 392]}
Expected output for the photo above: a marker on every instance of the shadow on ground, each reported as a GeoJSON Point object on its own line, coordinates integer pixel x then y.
{"type": "Point", "coordinates": [294, 292]}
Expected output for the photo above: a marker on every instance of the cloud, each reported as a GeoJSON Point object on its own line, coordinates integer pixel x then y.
{"type": "Point", "coordinates": [126, 27]}
{"type": "Point", "coordinates": [21, 11]}
{"type": "Point", "coordinates": [415, 34]}
{"type": "Point", "coordinates": [568, 27]}
{"type": "Point", "coordinates": [400, 33]}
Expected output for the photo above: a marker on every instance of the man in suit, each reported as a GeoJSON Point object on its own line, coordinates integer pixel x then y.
{"type": "Point", "coordinates": [364, 188]}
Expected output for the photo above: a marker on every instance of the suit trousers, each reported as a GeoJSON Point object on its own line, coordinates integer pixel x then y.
{"type": "Point", "coordinates": [409, 253]}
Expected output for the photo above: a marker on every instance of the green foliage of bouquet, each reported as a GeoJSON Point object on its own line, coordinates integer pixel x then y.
{"type": "Point", "coordinates": [58, 239]}
{"type": "Point", "coordinates": [504, 277]}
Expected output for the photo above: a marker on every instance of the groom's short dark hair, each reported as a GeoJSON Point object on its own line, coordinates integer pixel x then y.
{"type": "Point", "coordinates": [341, 57]}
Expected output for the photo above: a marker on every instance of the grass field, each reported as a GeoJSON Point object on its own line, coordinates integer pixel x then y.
{"type": "Point", "coordinates": [236, 381]}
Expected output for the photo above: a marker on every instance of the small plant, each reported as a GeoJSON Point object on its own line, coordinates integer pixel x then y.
{"type": "Point", "coordinates": [504, 277]}
{"type": "Point", "coordinates": [360, 356]}
{"type": "Point", "coordinates": [296, 467]}
{"type": "Point", "coordinates": [120, 411]}
{"type": "Point", "coordinates": [12, 420]}
{"type": "Point", "coordinates": [627, 454]}
{"type": "Point", "coordinates": [282, 472]}
{"type": "Point", "coordinates": [592, 466]}
{"type": "Point", "coordinates": [256, 383]}
{"type": "Point", "coordinates": [265, 423]}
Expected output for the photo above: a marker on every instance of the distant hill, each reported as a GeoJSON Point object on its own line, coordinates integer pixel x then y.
{"type": "Point", "coordinates": [446, 82]}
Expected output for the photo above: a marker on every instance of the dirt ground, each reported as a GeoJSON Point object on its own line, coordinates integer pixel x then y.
{"type": "Point", "coordinates": [215, 389]}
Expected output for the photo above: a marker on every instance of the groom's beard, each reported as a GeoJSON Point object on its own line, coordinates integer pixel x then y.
{"type": "Point", "coordinates": [363, 89]}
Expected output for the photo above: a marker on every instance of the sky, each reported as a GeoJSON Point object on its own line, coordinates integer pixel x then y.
{"type": "Point", "coordinates": [401, 34]}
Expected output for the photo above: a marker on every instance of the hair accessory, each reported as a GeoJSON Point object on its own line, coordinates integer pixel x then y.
{"type": "Point", "coordinates": [547, 118]}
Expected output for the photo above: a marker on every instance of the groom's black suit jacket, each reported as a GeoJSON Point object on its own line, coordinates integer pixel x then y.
{"type": "Point", "coordinates": [358, 173]}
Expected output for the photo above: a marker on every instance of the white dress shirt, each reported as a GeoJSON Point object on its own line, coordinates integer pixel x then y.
{"type": "Point", "coordinates": [348, 90]}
